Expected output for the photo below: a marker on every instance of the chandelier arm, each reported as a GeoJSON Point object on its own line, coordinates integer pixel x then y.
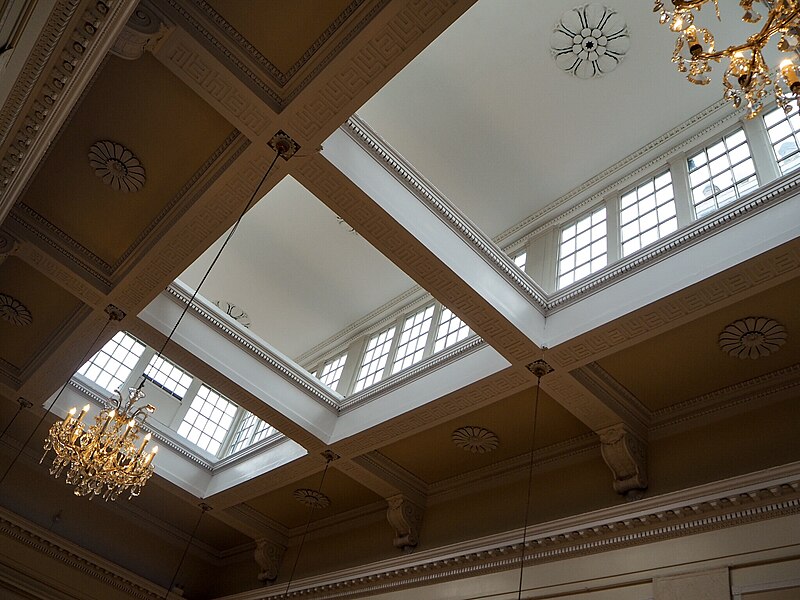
{"type": "Point", "coordinates": [84, 358]}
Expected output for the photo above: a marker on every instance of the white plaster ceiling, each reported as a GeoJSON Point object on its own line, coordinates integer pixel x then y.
{"type": "Point", "coordinates": [485, 114]}
{"type": "Point", "coordinates": [298, 273]}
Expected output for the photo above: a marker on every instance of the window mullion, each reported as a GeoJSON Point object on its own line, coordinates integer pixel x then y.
{"type": "Point", "coordinates": [183, 405]}
{"type": "Point", "coordinates": [355, 355]}
{"type": "Point", "coordinates": [398, 331]}
{"type": "Point", "coordinates": [437, 312]}
{"type": "Point", "coordinates": [613, 243]}
{"type": "Point", "coordinates": [761, 150]}
{"type": "Point", "coordinates": [228, 439]}
{"type": "Point", "coordinates": [684, 209]}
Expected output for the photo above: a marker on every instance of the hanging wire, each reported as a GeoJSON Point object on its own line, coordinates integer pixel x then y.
{"type": "Point", "coordinates": [311, 510]}
{"type": "Point", "coordinates": [204, 509]}
{"type": "Point", "coordinates": [22, 404]}
{"type": "Point", "coordinates": [112, 316]}
{"type": "Point", "coordinates": [280, 151]}
{"type": "Point", "coordinates": [540, 370]}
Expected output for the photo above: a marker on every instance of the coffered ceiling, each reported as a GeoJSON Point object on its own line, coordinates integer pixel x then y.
{"type": "Point", "coordinates": [469, 95]}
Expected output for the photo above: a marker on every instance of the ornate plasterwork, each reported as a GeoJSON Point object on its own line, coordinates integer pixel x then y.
{"type": "Point", "coordinates": [144, 31]}
{"type": "Point", "coordinates": [406, 518]}
{"type": "Point", "coordinates": [589, 41]}
{"type": "Point", "coordinates": [14, 311]}
{"type": "Point", "coordinates": [234, 312]}
{"type": "Point", "coordinates": [268, 555]}
{"type": "Point", "coordinates": [626, 456]}
{"type": "Point", "coordinates": [116, 166]}
{"type": "Point", "coordinates": [752, 337]}
{"type": "Point", "coordinates": [475, 439]}
{"type": "Point", "coordinates": [311, 498]}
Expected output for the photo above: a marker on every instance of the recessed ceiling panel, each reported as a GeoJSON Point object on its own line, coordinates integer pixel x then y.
{"type": "Point", "coordinates": [511, 420]}
{"type": "Point", "coordinates": [142, 107]}
{"type": "Point", "coordinates": [298, 273]}
{"type": "Point", "coordinates": [283, 31]}
{"type": "Point", "coordinates": [33, 310]}
{"type": "Point", "coordinates": [687, 362]}
{"type": "Point", "coordinates": [486, 114]}
{"type": "Point", "coordinates": [343, 493]}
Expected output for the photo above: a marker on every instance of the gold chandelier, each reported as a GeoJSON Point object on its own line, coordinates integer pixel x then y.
{"type": "Point", "coordinates": [748, 78]}
{"type": "Point", "coordinates": [103, 458]}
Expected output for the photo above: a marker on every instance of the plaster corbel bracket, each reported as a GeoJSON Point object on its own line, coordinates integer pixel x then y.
{"type": "Point", "coordinates": [406, 518]}
{"type": "Point", "coordinates": [145, 30]}
{"type": "Point", "coordinates": [8, 245]}
{"type": "Point", "coordinates": [269, 556]}
{"type": "Point", "coordinates": [626, 456]}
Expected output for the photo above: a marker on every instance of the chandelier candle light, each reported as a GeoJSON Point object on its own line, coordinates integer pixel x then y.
{"type": "Point", "coordinates": [103, 458]}
{"type": "Point", "coordinates": [748, 77]}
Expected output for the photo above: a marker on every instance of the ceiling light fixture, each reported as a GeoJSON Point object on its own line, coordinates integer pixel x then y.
{"type": "Point", "coordinates": [748, 77]}
{"type": "Point", "coordinates": [103, 459]}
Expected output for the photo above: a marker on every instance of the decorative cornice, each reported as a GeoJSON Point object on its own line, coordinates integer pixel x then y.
{"type": "Point", "coordinates": [533, 224]}
{"type": "Point", "coordinates": [759, 200]}
{"type": "Point", "coordinates": [248, 341]}
{"type": "Point", "coordinates": [49, 544]}
{"type": "Point", "coordinates": [38, 57]}
{"type": "Point", "coordinates": [711, 507]}
{"type": "Point", "coordinates": [443, 209]}
{"type": "Point", "coordinates": [725, 399]}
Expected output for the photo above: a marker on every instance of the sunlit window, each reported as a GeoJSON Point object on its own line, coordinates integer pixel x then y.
{"type": "Point", "coordinates": [451, 330]}
{"type": "Point", "coordinates": [520, 259]}
{"type": "Point", "coordinates": [208, 420]}
{"type": "Point", "coordinates": [375, 357]}
{"type": "Point", "coordinates": [783, 134]}
{"type": "Point", "coordinates": [251, 429]}
{"type": "Point", "coordinates": [332, 371]}
{"type": "Point", "coordinates": [583, 248]}
{"type": "Point", "coordinates": [112, 365]}
{"type": "Point", "coordinates": [721, 173]}
{"type": "Point", "coordinates": [647, 213]}
{"type": "Point", "coordinates": [168, 376]}
{"type": "Point", "coordinates": [411, 345]}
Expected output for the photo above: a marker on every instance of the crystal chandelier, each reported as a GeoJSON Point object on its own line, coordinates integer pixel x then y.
{"type": "Point", "coordinates": [103, 458]}
{"type": "Point", "coordinates": [748, 78]}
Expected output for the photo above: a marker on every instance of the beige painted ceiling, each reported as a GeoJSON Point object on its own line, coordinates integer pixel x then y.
{"type": "Point", "coordinates": [49, 304]}
{"type": "Point", "coordinates": [486, 115]}
{"type": "Point", "coordinates": [299, 274]}
{"type": "Point", "coordinates": [345, 494]}
{"type": "Point", "coordinates": [687, 361]}
{"type": "Point", "coordinates": [127, 105]}
{"type": "Point", "coordinates": [283, 31]}
{"type": "Point", "coordinates": [432, 456]}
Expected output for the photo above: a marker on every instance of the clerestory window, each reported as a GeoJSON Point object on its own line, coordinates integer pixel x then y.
{"type": "Point", "coordinates": [583, 248]}
{"type": "Point", "coordinates": [168, 376]}
{"type": "Point", "coordinates": [451, 330]}
{"type": "Point", "coordinates": [783, 131]}
{"type": "Point", "coordinates": [208, 420]}
{"type": "Point", "coordinates": [374, 363]}
{"type": "Point", "coordinates": [411, 345]}
{"type": "Point", "coordinates": [647, 213]}
{"type": "Point", "coordinates": [332, 371]}
{"type": "Point", "coordinates": [251, 429]}
{"type": "Point", "coordinates": [721, 172]}
{"type": "Point", "coordinates": [112, 365]}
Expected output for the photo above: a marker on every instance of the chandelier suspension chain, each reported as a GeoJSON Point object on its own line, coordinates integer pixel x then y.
{"type": "Point", "coordinates": [204, 508]}
{"type": "Point", "coordinates": [530, 485]}
{"type": "Point", "coordinates": [280, 152]}
{"type": "Point", "coordinates": [85, 357]}
{"type": "Point", "coordinates": [13, 418]}
{"type": "Point", "coordinates": [311, 510]}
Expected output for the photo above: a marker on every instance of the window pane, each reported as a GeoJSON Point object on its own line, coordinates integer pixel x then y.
{"type": "Point", "coordinates": [112, 365]}
{"type": "Point", "coordinates": [646, 228]}
{"type": "Point", "coordinates": [412, 339]}
{"type": "Point", "coordinates": [589, 251]}
{"type": "Point", "coordinates": [372, 367]}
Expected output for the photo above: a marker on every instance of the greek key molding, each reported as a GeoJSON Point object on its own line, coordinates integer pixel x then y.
{"type": "Point", "coordinates": [368, 66]}
{"type": "Point", "coordinates": [215, 84]}
{"type": "Point", "coordinates": [703, 509]}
